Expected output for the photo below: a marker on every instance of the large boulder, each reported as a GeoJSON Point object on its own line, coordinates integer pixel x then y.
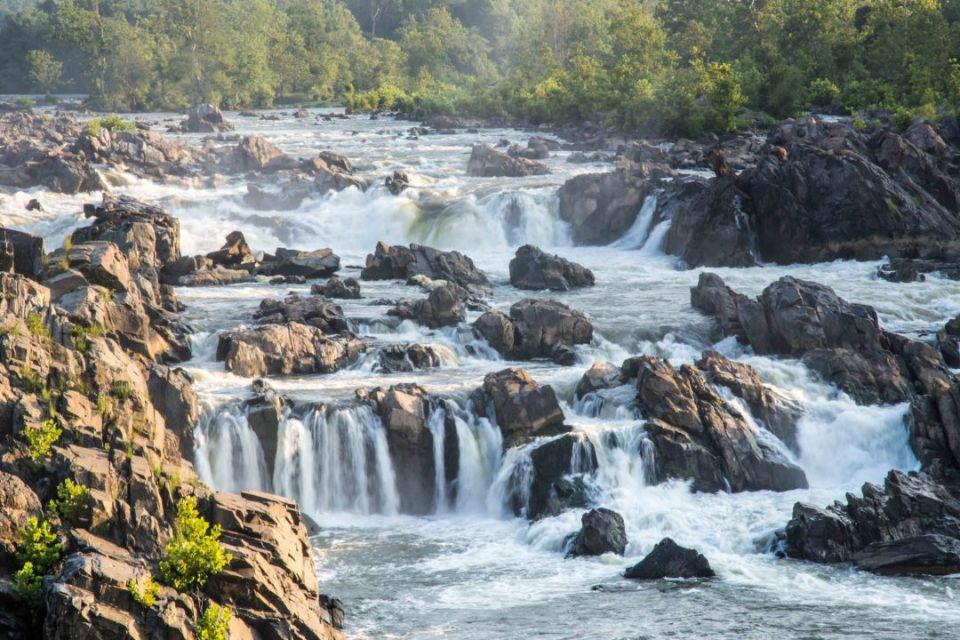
{"type": "Point", "coordinates": [919, 555]}
{"type": "Point", "coordinates": [442, 308]}
{"type": "Point", "coordinates": [346, 288]}
{"type": "Point", "coordinates": [522, 408]}
{"type": "Point", "coordinates": [670, 560]}
{"type": "Point", "coordinates": [311, 310]}
{"type": "Point", "coordinates": [536, 329]}
{"type": "Point", "coordinates": [487, 162]}
{"type": "Point", "coordinates": [699, 437]}
{"type": "Point", "coordinates": [602, 531]}
{"type": "Point", "coordinates": [405, 263]}
{"type": "Point", "coordinates": [234, 254]}
{"type": "Point", "coordinates": [285, 349]}
{"type": "Point", "coordinates": [205, 118]}
{"type": "Point", "coordinates": [535, 270]}
{"type": "Point", "coordinates": [254, 153]}
{"type": "Point", "coordinates": [21, 253]}
{"type": "Point", "coordinates": [407, 358]}
{"type": "Point", "coordinates": [321, 263]}
{"type": "Point", "coordinates": [601, 207]}
{"type": "Point", "coordinates": [550, 481]}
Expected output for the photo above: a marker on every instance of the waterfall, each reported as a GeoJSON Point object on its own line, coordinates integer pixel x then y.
{"type": "Point", "coordinates": [480, 446]}
{"type": "Point", "coordinates": [437, 424]}
{"type": "Point", "coordinates": [229, 456]}
{"type": "Point", "coordinates": [636, 236]}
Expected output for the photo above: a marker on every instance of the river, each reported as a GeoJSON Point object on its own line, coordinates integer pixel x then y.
{"type": "Point", "coordinates": [472, 570]}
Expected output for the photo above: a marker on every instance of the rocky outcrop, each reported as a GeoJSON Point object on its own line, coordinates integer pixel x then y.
{"type": "Point", "coordinates": [35, 151]}
{"type": "Point", "coordinates": [536, 329]}
{"type": "Point", "coordinates": [310, 310]}
{"type": "Point", "coordinates": [442, 308]}
{"type": "Point", "coordinates": [407, 358]}
{"type": "Point", "coordinates": [487, 162]}
{"type": "Point", "coordinates": [670, 560]}
{"type": "Point", "coordinates": [285, 349]}
{"type": "Point", "coordinates": [845, 345]}
{"type": "Point", "coordinates": [21, 253]}
{"type": "Point", "coordinates": [600, 375]}
{"type": "Point", "coordinates": [205, 118]}
{"type": "Point", "coordinates": [347, 289]}
{"type": "Point", "coordinates": [698, 436]}
{"type": "Point", "coordinates": [601, 207]}
{"type": "Point", "coordinates": [535, 270]}
{"type": "Point", "coordinates": [521, 407]}
{"type": "Point", "coordinates": [602, 531]}
{"type": "Point", "coordinates": [405, 263]}
{"type": "Point", "coordinates": [321, 263]}
{"type": "Point", "coordinates": [254, 153]}
{"type": "Point", "coordinates": [909, 525]}
{"type": "Point", "coordinates": [552, 480]}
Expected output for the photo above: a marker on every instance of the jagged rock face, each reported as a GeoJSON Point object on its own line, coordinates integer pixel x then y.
{"type": "Point", "coordinates": [442, 308]}
{"type": "Point", "coordinates": [670, 560]}
{"type": "Point", "coordinates": [487, 162]}
{"type": "Point", "coordinates": [312, 310]}
{"type": "Point", "coordinates": [699, 437]}
{"type": "Point", "coordinates": [20, 503]}
{"type": "Point", "coordinates": [404, 263]}
{"type": "Point", "coordinates": [404, 409]}
{"type": "Point", "coordinates": [21, 253]}
{"type": "Point", "coordinates": [536, 329]}
{"type": "Point", "coordinates": [601, 207]}
{"type": "Point", "coordinates": [400, 358]}
{"type": "Point", "coordinates": [602, 531]}
{"type": "Point", "coordinates": [235, 252]}
{"type": "Point", "coordinates": [845, 345]}
{"type": "Point", "coordinates": [522, 408]}
{"type": "Point", "coordinates": [535, 270]}
{"type": "Point", "coordinates": [546, 488]}
{"type": "Point", "coordinates": [879, 529]}
{"type": "Point", "coordinates": [285, 349]}
{"type": "Point", "coordinates": [145, 152]}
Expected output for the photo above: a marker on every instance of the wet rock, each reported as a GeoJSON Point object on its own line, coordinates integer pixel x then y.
{"type": "Point", "coordinates": [205, 118]}
{"type": "Point", "coordinates": [670, 560]}
{"type": "Point", "coordinates": [407, 358]}
{"type": "Point", "coordinates": [346, 289]}
{"type": "Point", "coordinates": [442, 308]}
{"type": "Point", "coordinates": [699, 437]}
{"type": "Point", "coordinates": [548, 486]}
{"type": "Point", "coordinates": [487, 162]}
{"type": "Point", "coordinates": [601, 375]}
{"type": "Point", "coordinates": [235, 253]}
{"type": "Point", "coordinates": [535, 270]}
{"type": "Point", "coordinates": [601, 207]}
{"type": "Point", "coordinates": [906, 506]}
{"type": "Point", "coordinates": [520, 406]}
{"type": "Point", "coordinates": [536, 329]}
{"type": "Point", "coordinates": [919, 555]}
{"type": "Point", "coordinates": [403, 263]}
{"type": "Point", "coordinates": [285, 349]}
{"type": "Point", "coordinates": [397, 183]}
{"type": "Point", "coordinates": [254, 153]}
{"type": "Point", "coordinates": [602, 531]}
{"type": "Point", "coordinates": [311, 310]}
{"type": "Point", "coordinates": [321, 263]}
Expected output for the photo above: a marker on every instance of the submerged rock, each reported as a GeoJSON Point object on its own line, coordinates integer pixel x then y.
{"type": "Point", "coordinates": [535, 270]}
{"type": "Point", "coordinates": [919, 555]}
{"type": "Point", "coordinates": [550, 484]}
{"type": "Point", "coordinates": [407, 358]}
{"type": "Point", "coordinates": [670, 560]}
{"type": "Point", "coordinates": [602, 531]}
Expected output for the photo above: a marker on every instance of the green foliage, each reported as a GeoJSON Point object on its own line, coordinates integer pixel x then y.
{"type": "Point", "coordinates": [214, 624]}
{"type": "Point", "coordinates": [82, 334]}
{"type": "Point", "coordinates": [146, 593]}
{"type": "Point", "coordinates": [72, 502]}
{"type": "Point", "coordinates": [112, 123]}
{"type": "Point", "coordinates": [38, 545]}
{"type": "Point", "coordinates": [194, 554]}
{"type": "Point", "coordinates": [30, 380]}
{"type": "Point", "coordinates": [37, 326]}
{"type": "Point", "coordinates": [121, 390]}
{"type": "Point", "coordinates": [28, 584]}
{"type": "Point", "coordinates": [41, 438]}
{"type": "Point", "coordinates": [23, 103]}
{"type": "Point", "coordinates": [44, 69]}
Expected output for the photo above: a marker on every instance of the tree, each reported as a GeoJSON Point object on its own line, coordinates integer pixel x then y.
{"type": "Point", "coordinates": [45, 70]}
{"type": "Point", "coordinates": [194, 554]}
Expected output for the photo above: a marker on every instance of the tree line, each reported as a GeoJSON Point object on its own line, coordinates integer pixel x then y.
{"type": "Point", "coordinates": [660, 66]}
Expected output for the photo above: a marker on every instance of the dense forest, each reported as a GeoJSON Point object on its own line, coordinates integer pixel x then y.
{"type": "Point", "coordinates": [665, 66]}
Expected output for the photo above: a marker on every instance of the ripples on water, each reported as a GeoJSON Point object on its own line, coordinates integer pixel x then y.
{"type": "Point", "coordinates": [471, 571]}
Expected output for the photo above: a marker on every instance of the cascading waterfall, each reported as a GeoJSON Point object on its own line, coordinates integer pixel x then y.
{"type": "Point", "coordinates": [638, 233]}
{"type": "Point", "coordinates": [228, 453]}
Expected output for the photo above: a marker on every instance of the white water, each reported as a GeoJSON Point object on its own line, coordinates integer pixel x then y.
{"type": "Point", "coordinates": [473, 570]}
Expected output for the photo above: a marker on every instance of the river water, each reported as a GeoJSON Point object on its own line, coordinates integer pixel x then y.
{"type": "Point", "coordinates": [472, 570]}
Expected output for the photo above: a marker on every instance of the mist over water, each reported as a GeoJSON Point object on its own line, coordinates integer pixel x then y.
{"type": "Point", "coordinates": [472, 570]}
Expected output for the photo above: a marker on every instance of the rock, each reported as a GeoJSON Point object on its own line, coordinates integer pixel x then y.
{"type": "Point", "coordinates": [442, 308]}
{"type": "Point", "coordinates": [533, 269]}
{"type": "Point", "coordinates": [544, 487]}
{"type": "Point", "coordinates": [403, 263]}
{"type": "Point", "coordinates": [205, 118]}
{"type": "Point", "coordinates": [602, 531]}
{"type": "Point", "coordinates": [313, 310]}
{"type": "Point", "coordinates": [697, 436]}
{"type": "Point", "coordinates": [670, 560]}
{"type": "Point", "coordinates": [321, 263]}
{"type": "Point", "coordinates": [920, 555]}
{"type": "Point", "coordinates": [407, 358]}
{"type": "Point", "coordinates": [397, 183]}
{"type": "Point", "coordinates": [21, 253]}
{"type": "Point", "coordinates": [336, 161]}
{"type": "Point", "coordinates": [538, 328]}
{"type": "Point", "coordinates": [347, 289]}
{"type": "Point", "coordinates": [602, 207]}
{"type": "Point", "coordinates": [487, 162]}
{"type": "Point", "coordinates": [287, 197]}
{"type": "Point", "coordinates": [20, 503]}
{"type": "Point", "coordinates": [522, 408]}
{"type": "Point", "coordinates": [254, 153]}
{"type": "Point", "coordinates": [601, 375]}
{"type": "Point", "coordinates": [101, 263]}
{"type": "Point", "coordinates": [907, 506]}
{"type": "Point", "coordinates": [235, 253]}
{"type": "Point", "coordinates": [285, 349]}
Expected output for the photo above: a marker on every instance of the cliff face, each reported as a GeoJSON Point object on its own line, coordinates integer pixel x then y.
{"type": "Point", "coordinates": [88, 395]}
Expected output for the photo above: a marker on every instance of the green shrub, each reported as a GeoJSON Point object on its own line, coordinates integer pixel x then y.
{"type": "Point", "coordinates": [23, 103]}
{"type": "Point", "coordinates": [823, 92]}
{"type": "Point", "coordinates": [37, 326]}
{"type": "Point", "coordinates": [113, 123]}
{"type": "Point", "coordinates": [72, 502]}
{"type": "Point", "coordinates": [41, 438]}
{"type": "Point", "coordinates": [38, 545]}
{"type": "Point", "coordinates": [81, 335]}
{"type": "Point", "coordinates": [146, 594]}
{"type": "Point", "coordinates": [28, 584]}
{"type": "Point", "coordinates": [121, 390]}
{"type": "Point", "coordinates": [214, 623]}
{"type": "Point", "coordinates": [195, 552]}
{"type": "Point", "coordinates": [30, 380]}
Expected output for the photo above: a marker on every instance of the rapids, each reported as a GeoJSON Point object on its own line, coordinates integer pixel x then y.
{"type": "Point", "coordinates": [472, 570]}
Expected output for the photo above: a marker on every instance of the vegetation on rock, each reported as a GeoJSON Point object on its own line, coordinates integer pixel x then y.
{"type": "Point", "coordinates": [195, 553]}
